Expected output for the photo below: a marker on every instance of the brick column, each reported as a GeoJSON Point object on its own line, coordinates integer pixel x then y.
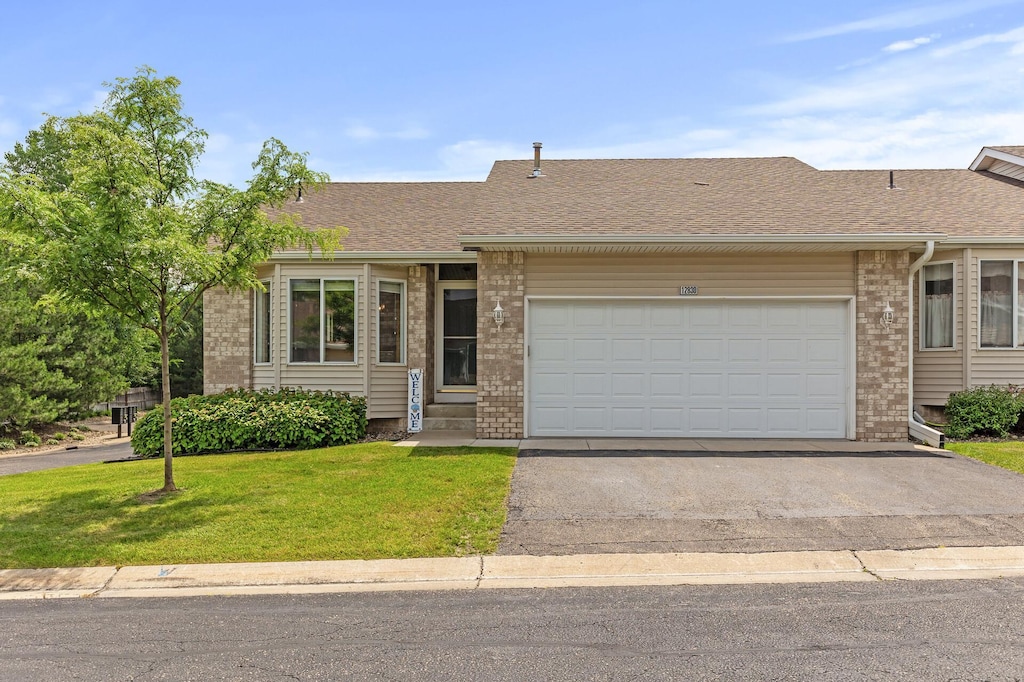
{"type": "Point", "coordinates": [882, 354]}
{"type": "Point", "coordinates": [499, 375]}
{"type": "Point", "coordinates": [420, 325]}
{"type": "Point", "coordinates": [227, 340]}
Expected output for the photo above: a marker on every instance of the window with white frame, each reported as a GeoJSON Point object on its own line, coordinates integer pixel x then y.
{"type": "Point", "coordinates": [938, 305]}
{"type": "Point", "coordinates": [391, 322]}
{"type": "Point", "coordinates": [323, 320]}
{"type": "Point", "coordinates": [261, 343]}
{"type": "Point", "coordinates": [1001, 297]}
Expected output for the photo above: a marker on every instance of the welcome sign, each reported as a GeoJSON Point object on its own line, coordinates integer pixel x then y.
{"type": "Point", "coordinates": [415, 400]}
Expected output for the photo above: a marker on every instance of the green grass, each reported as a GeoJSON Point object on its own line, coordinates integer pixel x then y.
{"type": "Point", "coordinates": [364, 501]}
{"type": "Point", "coordinates": [1008, 454]}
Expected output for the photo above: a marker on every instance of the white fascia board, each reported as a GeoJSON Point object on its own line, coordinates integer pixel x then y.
{"type": "Point", "coordinates": [542, 240]}
{"type": "Point", "coordinates": [984, 241]}
{"type": "Point", "coordinates": [399, 257]}
{"type": "Point", "coordinates": [988, 155]}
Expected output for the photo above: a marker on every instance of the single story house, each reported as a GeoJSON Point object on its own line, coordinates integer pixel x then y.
{"type": "Point", "coordinates": [712, 297]}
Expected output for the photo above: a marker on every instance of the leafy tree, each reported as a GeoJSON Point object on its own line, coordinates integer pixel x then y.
{"type": "Point", "coordinates": [57, 357]}
{"type": "Point", "coordinates": [133, 229]}
{"type": "Point", "coordinates": [187, 355]}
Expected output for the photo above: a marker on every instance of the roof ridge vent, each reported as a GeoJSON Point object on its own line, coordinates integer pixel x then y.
{"type": "Point", "coordinates": [536, 161]}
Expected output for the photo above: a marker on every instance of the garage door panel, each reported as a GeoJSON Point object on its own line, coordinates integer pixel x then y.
{"type": "Point", "coordinates": [668, 420]}
{"type": "Point", "coordinates": [628, 385]}
{"type": "Point", "coordinates": [744, 350]}
{"type": "Point", "coordinates": [590, 350]}
{"type": "Point", "coordinates": [666, 385]}
{"type": "Point", "coordinates": [589, 316]}
{"type": "Point", "coordinates": [706, 385]}
{"type": "Point", "coordinates": [590, 417]}
{"type": "Point", "coordinates": [689, 369]}
{"type": "Point", "coordinates": [628, 350]}
{"type": "Point", "coordinates": [549, 350]}
{"type": "Point", "coordinates": [627, 317]}
{"type": "Point", "coordinates": [668, 350]}
{"type": "Point", "coordinates": [594, 385]}
{"type": "Point", "coordinates": [825, 351]}
{"type": "Point", "coordinates": [744, 386]}
{"type": "Point", "coordinates": [551, 385]}
{"type": "Point", "coordinates": [706, 350]}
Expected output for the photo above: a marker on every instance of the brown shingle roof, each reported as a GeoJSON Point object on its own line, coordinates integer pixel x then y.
{"type": "Point", "coordinates": [667, 197]}
{"type": "Point", "coordinates": [392, 216]}
{"type": "Point", "coordinates": [1016, 151]}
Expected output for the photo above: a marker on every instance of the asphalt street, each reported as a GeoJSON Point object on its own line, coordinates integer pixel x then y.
{"type": "Point", "coordinates": [585, 502]}
{"type": "Point", "coordinates": [945, 630]}
{"type": "Point", "coordinates": [55, 459]}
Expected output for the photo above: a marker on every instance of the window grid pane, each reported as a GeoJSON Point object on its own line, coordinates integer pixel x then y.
{"type": "Point", "coordinates": [389, 323]}
{"type": "Point", "coordinates": [996, 314]}
{"type": "Point", "coordinates": [339, 321]}
{"type": "Point", "coordinates": [938, 306]}
{"type": "Point", "coordinates": [305, 320]}
{"type": "Point", "coordinates": [263, 324]}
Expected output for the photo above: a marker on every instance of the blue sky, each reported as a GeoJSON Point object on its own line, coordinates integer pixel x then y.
{"type": "Point", "coordinates": [437, 91]}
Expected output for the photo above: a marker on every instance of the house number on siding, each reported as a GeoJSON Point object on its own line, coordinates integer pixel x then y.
{"type": "Point", "coordinates": [688, 290]}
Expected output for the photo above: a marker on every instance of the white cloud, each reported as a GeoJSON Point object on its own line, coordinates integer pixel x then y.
{"type": "Point", "coordinates": [902, 19]}
{"type": "Point", "coordinates": [228, 160]}
{"type": "Point", "coordinates": [364, 133]}
{"type": "Point", "coordinates": [904, 45]}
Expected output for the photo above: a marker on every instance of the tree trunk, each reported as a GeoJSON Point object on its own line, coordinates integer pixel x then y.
{"type": "Point", "coordinates": [165, 374]}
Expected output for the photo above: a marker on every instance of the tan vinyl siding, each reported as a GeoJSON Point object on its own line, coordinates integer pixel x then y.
{"type": "Point", "coordinates": [939, 372]}
{"type": "Point", "coordinates": [989, 365]}
{"type": "Point", "coordinates": [1010, 170]}
{"type": "Point", "coordinates": [321, 377]}
{"type": "Point", "coordinates": [389, 390]}
{"type": "Point", "coordinates": [622, 275]}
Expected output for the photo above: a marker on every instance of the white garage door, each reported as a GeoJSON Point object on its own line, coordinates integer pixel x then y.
{"type": "Point", "coordinates": [689, 368]}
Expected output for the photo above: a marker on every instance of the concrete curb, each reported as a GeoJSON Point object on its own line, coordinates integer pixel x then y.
{"type": "Point", "coordinates": [513, 572]}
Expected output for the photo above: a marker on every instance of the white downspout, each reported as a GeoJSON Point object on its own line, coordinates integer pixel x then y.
{"type": "Point", "coordinates": [929, 251]}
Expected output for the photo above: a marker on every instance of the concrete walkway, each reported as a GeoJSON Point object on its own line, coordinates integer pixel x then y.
{"type": "Point", "coordinates": [509, 572]}
{"type": "Point", "coordinates": [721, 445]}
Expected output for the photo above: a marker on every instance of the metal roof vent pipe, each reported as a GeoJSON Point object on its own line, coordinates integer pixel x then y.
{"type": "Point", "coordinates": [536, 161]}
{"type": "Point", "coordinates": [892, 181]}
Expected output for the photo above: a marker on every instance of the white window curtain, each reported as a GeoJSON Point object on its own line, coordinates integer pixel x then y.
{"type": "Point", "coordinates": [938, 306]}
{"type": "Point", "coordinates": [938, 317]}
{"type": "Point", "coordinates": [996, 304]}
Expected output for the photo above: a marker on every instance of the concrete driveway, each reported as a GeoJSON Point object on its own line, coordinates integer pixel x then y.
{"type": "Point", "coordinates": [597, 501]}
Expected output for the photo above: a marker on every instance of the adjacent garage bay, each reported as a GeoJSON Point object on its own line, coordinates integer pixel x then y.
{"type": "Point", "coordinates": [688, 368]}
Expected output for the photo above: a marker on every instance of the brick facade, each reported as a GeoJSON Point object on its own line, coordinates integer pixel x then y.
{"type": "Point", "coordinates": [499, 401]}
{"type": "Point", "coordinates": [420, 324]}
{"type": "Point", "coordinates": [227, 340]}
{"type": "Point", "coordinates": [882, 354]}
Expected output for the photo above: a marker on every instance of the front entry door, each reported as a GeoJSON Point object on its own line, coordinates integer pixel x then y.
{"type": "Point", "coordinates": [456, 343]}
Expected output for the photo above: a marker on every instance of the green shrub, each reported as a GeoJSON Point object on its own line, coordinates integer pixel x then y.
{"type": "Point", "coordinates": [7, 444]}
{"type": "Point", "coordinates": [991, 410]}
{"type": "Point", "coordinates": [59, 436]}
{"type": "Point", "coordinates": [52, 441]}
{"type": "Point", "coordinates": [77, 436]}
{"type": "Point", "coordinates": [30, 438]}
{"type": "Point", "coordinates": [254, 420]}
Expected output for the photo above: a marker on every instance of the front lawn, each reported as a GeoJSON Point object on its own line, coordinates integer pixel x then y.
{"type": "Point", "coordinates": [1006, 454]}
{"type": "Point", "coordinates": [366, 501]}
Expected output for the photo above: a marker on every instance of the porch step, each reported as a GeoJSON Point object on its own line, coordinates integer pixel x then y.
{"type": "Point", "coordinates": [449, 423]}
{"type": "Point", "coordinates": [450, 410]}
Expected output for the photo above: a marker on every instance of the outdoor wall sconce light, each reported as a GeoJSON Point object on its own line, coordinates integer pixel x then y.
{"type": "Point", "coordinates": [499, 315]}
{"type": "Point", "coordinates": [887, 316]}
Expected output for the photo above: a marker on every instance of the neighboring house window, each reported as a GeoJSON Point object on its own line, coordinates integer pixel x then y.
{"type": "Point", "coordinates": [323, 320]}
{"type": "Point", "coordinates": [999, 287]}
{"type": "Point", "coordinates": [937, 306]}
{"type": "Point", "coordinates": [391, 322]}
{"type": "Point", "coordinates": [262, 340]}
